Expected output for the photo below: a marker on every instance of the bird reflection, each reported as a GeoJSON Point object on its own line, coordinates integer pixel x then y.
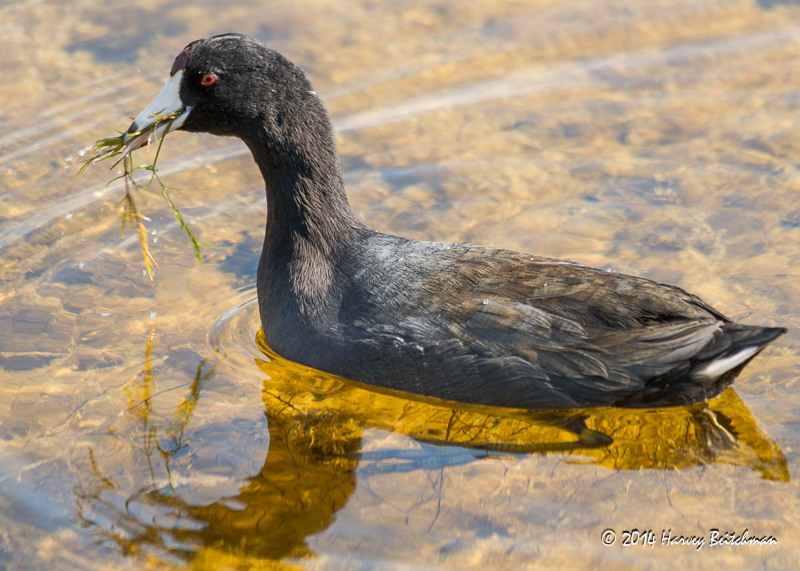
{"type": "Point", "coordinates": [722, 431]}
{"type": "Point", "coordinates": [317, 457]}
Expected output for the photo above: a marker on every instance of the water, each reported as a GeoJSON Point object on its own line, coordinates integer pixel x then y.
{"type": "Point", "coordinates": [143, 423]}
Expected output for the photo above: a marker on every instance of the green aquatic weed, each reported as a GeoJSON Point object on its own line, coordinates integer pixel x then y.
{"type": "Point", "coordinates": [118, 147]}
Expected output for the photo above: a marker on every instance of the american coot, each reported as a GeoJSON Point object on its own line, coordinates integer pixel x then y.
{"type": "Point", "coordinates": [455, 321]}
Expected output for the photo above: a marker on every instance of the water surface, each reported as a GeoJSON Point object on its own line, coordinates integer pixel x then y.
{"type": "Point", "coordinates": [144, 424]}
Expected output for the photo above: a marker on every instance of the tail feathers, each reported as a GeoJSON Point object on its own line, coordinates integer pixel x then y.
{"type": "Point", "coordinates": [732, 347]}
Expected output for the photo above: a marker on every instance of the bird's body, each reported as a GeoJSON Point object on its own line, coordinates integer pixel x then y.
{"type": "Point", "coordinates": [495, 327]}
{"type": "Point", "coordinates": [453, 321]}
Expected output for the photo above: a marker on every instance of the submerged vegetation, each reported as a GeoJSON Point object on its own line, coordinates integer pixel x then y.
{"type": "Point", "coordinates": [123, 146]}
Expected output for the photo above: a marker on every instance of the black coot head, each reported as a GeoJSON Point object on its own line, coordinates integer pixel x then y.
{"type": "Point", "coordinates": [234, 83]}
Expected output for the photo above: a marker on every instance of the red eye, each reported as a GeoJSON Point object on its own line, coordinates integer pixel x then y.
{"type": "Point", "coordinates": [208, 79]}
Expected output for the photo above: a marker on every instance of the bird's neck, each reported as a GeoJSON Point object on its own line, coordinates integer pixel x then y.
{"type": "Point", "coordinates": [309, 220]}
{"type": "Point", "coordinates": [306, 199]}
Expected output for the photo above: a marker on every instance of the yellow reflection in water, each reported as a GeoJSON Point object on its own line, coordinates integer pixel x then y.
{"type": "Point", "coordinates": [315, 458]}
{"type": "Point", "coordinates": [720, 431]}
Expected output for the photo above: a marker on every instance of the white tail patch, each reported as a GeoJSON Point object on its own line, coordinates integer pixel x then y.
{"type": "Point", "coordinates": [719, 367]}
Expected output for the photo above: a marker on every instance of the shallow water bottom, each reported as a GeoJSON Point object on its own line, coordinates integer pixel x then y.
{"type": "Point", "coordinates": [143, 425]}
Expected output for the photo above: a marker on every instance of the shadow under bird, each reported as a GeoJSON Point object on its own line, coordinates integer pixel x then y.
{"type": "Point", "coordinates": [454, 321]}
